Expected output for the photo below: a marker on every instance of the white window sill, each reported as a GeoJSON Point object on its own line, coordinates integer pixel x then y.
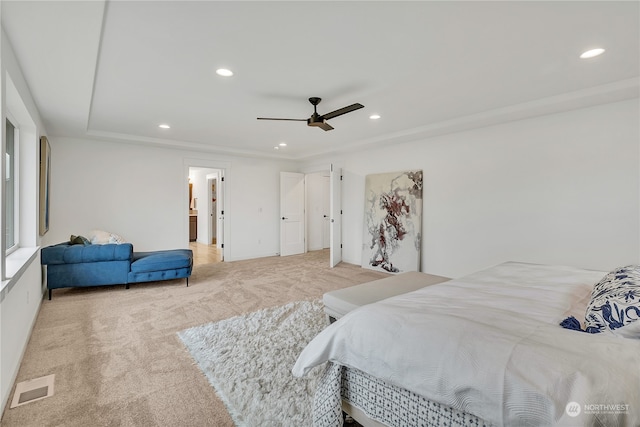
{"type": "Point", "coordinates": [16, 263]}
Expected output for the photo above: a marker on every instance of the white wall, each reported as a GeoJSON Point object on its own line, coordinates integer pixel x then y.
{"type": "Point", "coordinates": [141, 193]}
{"type": "Point", "coordinates": [253, 211]}
{"type": "Point", "coordinates": [557, 189]}
{"type": "Point", "coordinates": [21, 298]}
{"type": "Point", "coordinates": [126, 189]}
{"type": "Point", "coordinates": [20, 303]}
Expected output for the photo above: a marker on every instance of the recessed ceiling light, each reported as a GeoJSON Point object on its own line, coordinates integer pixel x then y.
{"type": "Point", "coordinates": [374, 116]}
{"type": "Point", "coordinates": [276, 148]}
{"type": "Point", "coordinates": [283, 144]}
{"type": "Point", "coordinates": [591, 53]}
{"type": "Point", "coordinates": [164, 126]}
{"type": "Point", "coordinates": [224, 72]}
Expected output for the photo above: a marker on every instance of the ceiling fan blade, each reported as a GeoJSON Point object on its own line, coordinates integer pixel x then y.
{"type": "Point", "coordinates": [290, 120]}
{"type": "Point", "coordinates": [343, 110]}
{"type": "Point", "coordinates": [325, 126]}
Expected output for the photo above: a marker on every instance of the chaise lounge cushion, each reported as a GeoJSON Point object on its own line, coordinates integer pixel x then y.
{"type": "Point", "coordinates": [161, 265]}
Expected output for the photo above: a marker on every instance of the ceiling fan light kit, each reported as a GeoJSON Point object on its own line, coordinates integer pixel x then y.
{"type": "Point", "coordinates": [318, 120]}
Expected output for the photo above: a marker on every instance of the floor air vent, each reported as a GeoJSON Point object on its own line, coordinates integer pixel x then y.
{"type": "Point", "coordinates": [32, 390]}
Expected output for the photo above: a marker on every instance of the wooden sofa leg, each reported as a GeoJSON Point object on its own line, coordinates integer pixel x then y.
{"type": "Point", "coordinates": [126, 286]}
{"type": "Point", "coordinates": [49, 294]}
{"type": "Point", "coordinates": [187, 282]}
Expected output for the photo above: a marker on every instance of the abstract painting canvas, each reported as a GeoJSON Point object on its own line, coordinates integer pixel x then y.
{"type": "Point", "coordinates": [392, 222]}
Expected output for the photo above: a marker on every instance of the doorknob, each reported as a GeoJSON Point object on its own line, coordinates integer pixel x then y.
{"type": "Point", "coordinates": [283, 218]}
{"type": "Point", "coordinates": [324, 216]}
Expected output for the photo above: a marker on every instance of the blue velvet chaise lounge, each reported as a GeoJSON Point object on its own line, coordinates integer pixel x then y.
{"type": "Point", "coordinates": [70, 265]}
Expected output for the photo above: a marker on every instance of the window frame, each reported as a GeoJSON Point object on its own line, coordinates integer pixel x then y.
{"type": "Point", "coordinates": [15, 164]}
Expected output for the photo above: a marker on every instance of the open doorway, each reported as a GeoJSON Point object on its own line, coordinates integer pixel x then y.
{"type": "Point", "coordinates": [206, 214]}
{"type": "Point", "coordinates": [311, 213]}
{"type": "Point", "coordinates": [324, 212]}
{"type": "Point", "coordinates": [318, 211]}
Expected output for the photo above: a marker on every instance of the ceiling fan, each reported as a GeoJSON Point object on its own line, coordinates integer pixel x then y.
{"type": "Point", "coordinates": [320, 120]}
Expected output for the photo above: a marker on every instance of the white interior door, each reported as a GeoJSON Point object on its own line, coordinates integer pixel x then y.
{"type": "Point", "coordinates": [292, 216]}
{"type": "Point", "coordinates": [335, 183]}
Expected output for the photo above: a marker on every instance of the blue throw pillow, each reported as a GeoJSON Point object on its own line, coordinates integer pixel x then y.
{"type": "Point", "coordinates": [615, 300]}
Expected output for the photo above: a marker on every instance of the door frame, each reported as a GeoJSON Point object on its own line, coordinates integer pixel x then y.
{"type": "Point", "coordinates": [323, 168]}
{"type": "Point", "coordinates": [335, 213]}
{"type": "Point", "coordinates": [216, 217]}
{"type": "Point", "coordinates": [225, 170]}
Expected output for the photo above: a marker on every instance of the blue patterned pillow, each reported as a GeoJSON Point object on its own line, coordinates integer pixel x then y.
{"type": "Point", "coordinates": [615, 300]}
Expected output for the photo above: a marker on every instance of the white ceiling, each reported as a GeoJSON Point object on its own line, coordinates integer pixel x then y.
{"type": "Point", "coordinates": [117, 70]}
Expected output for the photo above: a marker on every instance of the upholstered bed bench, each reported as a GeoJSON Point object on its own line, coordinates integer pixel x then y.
{"type": "Point", "coordinates": [80, 265]}
{"type": "Point", "coordinates": [339, 302]}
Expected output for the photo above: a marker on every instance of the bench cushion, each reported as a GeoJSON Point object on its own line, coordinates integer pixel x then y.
{"type": "Point", "coordinates": [161, 265]}
{"type": "Point", "coordinates": [161, 260]}
{"type": "Point", "coordinates": [339, 302]}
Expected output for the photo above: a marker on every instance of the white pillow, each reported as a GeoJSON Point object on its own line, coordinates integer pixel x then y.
{"type": "Point", "coordinates": [100, 237]}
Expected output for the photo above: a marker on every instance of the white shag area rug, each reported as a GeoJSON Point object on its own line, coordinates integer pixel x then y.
{"type": "Point", "coordinates": [248, 360]}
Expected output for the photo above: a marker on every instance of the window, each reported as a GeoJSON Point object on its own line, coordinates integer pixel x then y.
{"type": "Point", "coordinates": [11, 201]}
{"type": "Point", "coordinates": [19, 195]}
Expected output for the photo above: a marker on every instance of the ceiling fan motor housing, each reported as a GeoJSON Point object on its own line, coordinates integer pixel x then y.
{"type": "Point", "coordinates": [315, 119]}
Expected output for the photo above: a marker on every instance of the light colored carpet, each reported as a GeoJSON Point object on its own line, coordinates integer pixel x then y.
{"type": "Point", "coordinates": [116, 355]}
{"type": "Point", "coordinates": [248, 360]}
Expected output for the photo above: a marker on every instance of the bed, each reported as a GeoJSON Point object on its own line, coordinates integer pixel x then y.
{"type": "Point", "coordinates": [483, 350]}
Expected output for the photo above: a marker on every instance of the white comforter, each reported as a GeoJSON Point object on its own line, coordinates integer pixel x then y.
{"type": "Point", "coordinates": [490, 344]}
